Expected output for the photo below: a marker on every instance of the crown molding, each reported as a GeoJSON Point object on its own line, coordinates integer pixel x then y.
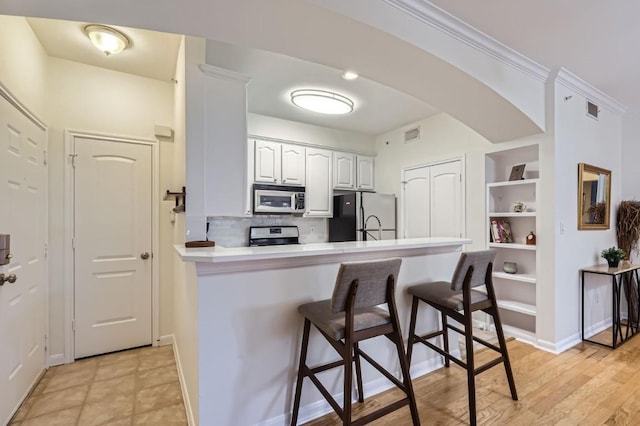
{"type": "Point", "coordinates": [578, 85]}
{"type": "Point", "coordinates": [225, 74]}
{"type": "Point", "coordinates": [441, 20]}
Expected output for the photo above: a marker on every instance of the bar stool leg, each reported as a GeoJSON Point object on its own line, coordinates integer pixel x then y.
{"type": "Point", "coordinates": [406, 377]}
{"type": "Point", "coordinates": [356, 357]}
{"type": "Point", "coordinates": [301, 370]}
{"type": "Point", "coordinates": [445, 338]}
{"type": "Point", "coordinates": [412, 328]}
{"type": "Point", "coordinates": [348, 381]}
{"type": "Point", "coordinates": [505, 355]}
{"type": "Point", "coordinates": [471, 374]}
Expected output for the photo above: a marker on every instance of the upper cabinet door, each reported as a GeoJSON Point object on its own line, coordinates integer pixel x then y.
{"type": "Point", "coordinates": [267, 162]}
{"type": "Point", "coordinates": [319, 193]}
{"type": "Point", "coordinates": [344, 170]}
{"type": "Point", "coordinates": [293, 164]}
{"type": "Point", "coordinates": [364, 180]}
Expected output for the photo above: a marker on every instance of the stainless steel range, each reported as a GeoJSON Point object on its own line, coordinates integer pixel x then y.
{"type": "Point", "coordinates": [273, 235]}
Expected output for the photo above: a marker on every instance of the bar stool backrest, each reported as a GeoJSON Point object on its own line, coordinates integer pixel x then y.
{"type": "Point", "coordinates": [479, 260]}
{"type": "Point", "coordinates": [372, 279]}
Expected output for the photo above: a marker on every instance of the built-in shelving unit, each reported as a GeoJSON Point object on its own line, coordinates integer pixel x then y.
{"type": "Point", "coordinates": [516, 293]}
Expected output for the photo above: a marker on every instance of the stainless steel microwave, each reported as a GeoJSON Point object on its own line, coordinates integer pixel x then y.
{"type": "Point", "coordinates": [274, 199]}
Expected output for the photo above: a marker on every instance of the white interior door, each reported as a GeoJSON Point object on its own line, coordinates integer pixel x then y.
{"type": "Point", "coordinates": [112, 245]}
{"type": "Point", "coordinates": [415, 203]}
{"type": "Point", "coordinates": [23, 216]}
{"type": "Point", "coordinates": [433, 201]}
{"type": "Point", "coordinates": [446, 201]}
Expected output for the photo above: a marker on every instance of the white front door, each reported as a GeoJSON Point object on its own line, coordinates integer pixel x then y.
{"type": "Point", "coordinates": [112, 245]}
{"type": "Point", "coordinates": [23, 216]}
{"type": "Point", "coordinates": [433, 200]}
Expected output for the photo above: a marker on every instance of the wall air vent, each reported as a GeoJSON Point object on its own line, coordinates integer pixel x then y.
{"type": "Point", "coordinates": [412, 134]}
{"type": "Point", "coordinates": [592, 110]}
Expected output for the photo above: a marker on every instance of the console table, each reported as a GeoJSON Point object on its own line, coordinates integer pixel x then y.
{"type": "Point", "coordinates": [618, 276]}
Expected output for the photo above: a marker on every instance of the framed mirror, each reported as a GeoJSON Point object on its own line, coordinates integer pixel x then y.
{"type": "Point", "coordinates": [594, 197]}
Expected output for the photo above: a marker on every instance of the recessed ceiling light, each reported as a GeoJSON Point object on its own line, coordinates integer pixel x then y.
{"type": "Point", "coordinates": [322, 101]}
{"type": "Point", "coordinates": [107, 39]}
{"type": "Point", "coordinates": [349, 75]}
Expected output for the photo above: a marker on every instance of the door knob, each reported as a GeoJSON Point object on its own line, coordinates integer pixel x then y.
{"type": "Point", "coordinates": [11, 278]}
{"type": "Point", "coordinates": [144, 256]}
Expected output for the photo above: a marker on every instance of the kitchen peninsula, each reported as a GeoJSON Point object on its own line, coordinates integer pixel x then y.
{"type": "Point", "coordinates": [249, 328]}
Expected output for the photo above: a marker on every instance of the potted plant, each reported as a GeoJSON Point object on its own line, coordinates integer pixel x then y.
{"type": "Point", "coordinates": [613, 255]}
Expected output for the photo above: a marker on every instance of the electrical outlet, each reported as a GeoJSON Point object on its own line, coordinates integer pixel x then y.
{"type": "Point", "coordinates": [561, 228]}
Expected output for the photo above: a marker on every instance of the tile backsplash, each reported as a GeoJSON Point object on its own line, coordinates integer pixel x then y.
{"type": "Point", "coordinates": [234, 231]}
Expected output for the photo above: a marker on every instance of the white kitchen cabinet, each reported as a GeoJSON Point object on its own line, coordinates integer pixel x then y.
{"type": "Point", "coordinates": [268, 159]}
{"type": "Point", "coordinates": [293, 164]}
{"type": "Point", "coordinates": [344, 170]}
{"type": "Point", "coordinates": [319, 187]}
{"type": "Point", "coordinates": [279, 163]}
{"type": "Point", "coordinates": [516, 292]}
{"type": "Point", "coordinates": [364, 178]}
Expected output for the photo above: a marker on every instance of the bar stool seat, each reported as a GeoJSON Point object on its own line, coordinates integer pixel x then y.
{"type": "Point", "coordinates": [353, 314]}
{"type": "Point", "coordinates": [458, 300]}
{"type": "Point", "coordinates": [320, 315]}
{"type": "Point", "coordinates": [440, 293]}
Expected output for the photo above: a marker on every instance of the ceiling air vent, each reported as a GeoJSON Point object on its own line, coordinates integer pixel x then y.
{"type": "Point", "coordinates": [412, 134]}
{"type": "Point", "coordinates": [592, 110]}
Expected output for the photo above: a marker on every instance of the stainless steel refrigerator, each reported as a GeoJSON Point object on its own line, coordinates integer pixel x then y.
{"type": "Point", "coordinates": [363, 216]}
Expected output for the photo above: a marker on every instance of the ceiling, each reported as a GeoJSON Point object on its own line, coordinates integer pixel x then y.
{"type": "Point", "coordinates": [152, 54]}
{"type": "Point", "coordinates": [594, 39]}
{"type": "Point", "coordinates": [378, 108]}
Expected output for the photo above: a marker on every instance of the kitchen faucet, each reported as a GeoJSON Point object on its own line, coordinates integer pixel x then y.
{"type": "Point", "coordinates": [379, 225]}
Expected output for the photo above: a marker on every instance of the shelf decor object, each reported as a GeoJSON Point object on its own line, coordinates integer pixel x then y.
{"type": "Point", "coordinates": [517, 172]}
{"type": "Point", "coordinates": [628, 235]}
{"type": "Point", "coordinates": [594, 197]}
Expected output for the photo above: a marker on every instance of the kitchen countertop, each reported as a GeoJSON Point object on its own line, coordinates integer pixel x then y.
{"type": "Point", "coordinates": [228, 256]}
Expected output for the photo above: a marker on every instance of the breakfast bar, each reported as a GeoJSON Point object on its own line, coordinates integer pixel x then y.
{"type": "Point", "coordinates": [249, 329]}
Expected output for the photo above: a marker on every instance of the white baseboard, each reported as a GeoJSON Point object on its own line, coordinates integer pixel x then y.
{"type": "Point", "coordinates": [57, 359]}
{"type": "Point", "coordinates": [170, 340]}
{"type": "Point", "coordinates": [166, 340]}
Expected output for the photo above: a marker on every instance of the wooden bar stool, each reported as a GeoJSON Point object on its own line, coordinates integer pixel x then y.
{"type": "Point", "coordinates": [458, 299]}
{"type": "Point", "coordinates": [350, 316]}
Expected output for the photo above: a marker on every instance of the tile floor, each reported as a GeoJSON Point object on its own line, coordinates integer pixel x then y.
{"type": "Point", "coordinates": [134, 387]}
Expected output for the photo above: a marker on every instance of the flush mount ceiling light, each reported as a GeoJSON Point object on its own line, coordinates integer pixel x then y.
{"type": "Point", "coordinates": [107, 39]}
{"type": "Point", "coordinates": [322, 101]}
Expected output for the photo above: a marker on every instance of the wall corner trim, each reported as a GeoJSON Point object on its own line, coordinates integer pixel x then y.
{"type": "Point", "coordinates": [6, 93]}
{"type": "Point", "coordinates": [573, 82]}
{"type": "Point", "coordinates": [441, 20]}
{"type": "Point", "coordinates": [222, 73]}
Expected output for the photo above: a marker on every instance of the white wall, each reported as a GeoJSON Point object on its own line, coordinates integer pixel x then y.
{"type": "Point", "coordinates": [23, 66]}
{"type": "Point", "coordinates": [185, 285]}
{"type": "Point", "coordinates": [88, 98]}
{"type": "Point", "coordinates": [580, 139]}
{"type": "Point", "coordinates": [262, 125]}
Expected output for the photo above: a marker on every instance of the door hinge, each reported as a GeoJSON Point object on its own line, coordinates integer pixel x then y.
{"type": "Point", "coordinates": [46, 250]}
{"type": "Point", "coordinates": [45, 342]}
{"type": "Point", "coordinates": [73, 159]}
{"type": "Point", "coordinates": [73, 243]}
{"type": "Point", "coordinates": [73, 325]}
{"type": "Point", "coordinates": [44, 157]}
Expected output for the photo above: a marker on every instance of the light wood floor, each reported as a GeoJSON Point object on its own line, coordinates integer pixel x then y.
{"type": "Point", "coordinates": [586, 385]}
